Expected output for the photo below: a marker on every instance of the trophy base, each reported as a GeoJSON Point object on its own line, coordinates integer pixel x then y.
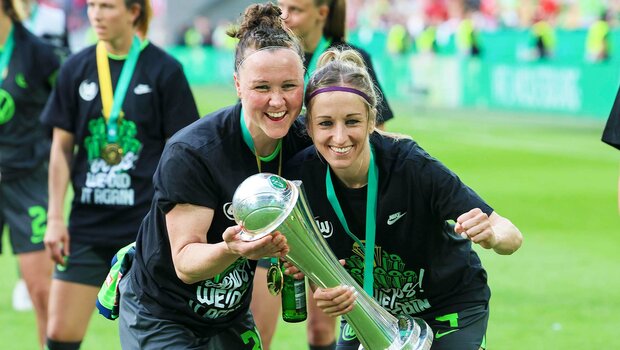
{"type": "Point", "coordinates": [415, 334]}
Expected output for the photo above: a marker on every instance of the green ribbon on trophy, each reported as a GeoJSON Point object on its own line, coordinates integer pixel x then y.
{"type": "Point", "coordinates": [8, 108]}
{"type": "Point", "coordinates": [371, 213]}
{"type": "Point", "coordinates": [112, 152]}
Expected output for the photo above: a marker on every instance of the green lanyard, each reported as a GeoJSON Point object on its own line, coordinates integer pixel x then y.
{"type": "Point", "coordinates": [105, 82]}
{"type": "Point", "coordinates": [320, 48]}
{"type": "Point", "coordinates": [7, 51]}
{"type": "Point", "coordinates": [371, 213]}
{"type": "Point", "coordinates": [247, 138]}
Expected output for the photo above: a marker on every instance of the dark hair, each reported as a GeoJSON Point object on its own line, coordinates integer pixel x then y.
{"type": "Point", "coordinates": [262, 27]}
{"type": "Point", "coordinates": [146, 12]}
{"type": "Point", "coordinates": [13, 9]}
{"type": "Point", "coordinates": [335, 23]}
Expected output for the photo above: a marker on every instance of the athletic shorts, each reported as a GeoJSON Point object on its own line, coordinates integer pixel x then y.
{"type": "Point", "coordinates": [140, 330]}
{"type": "Point", "coordinates": [464, 330]}
{"type": "Point", "coordinates": [23, 209]}
{"type": "Point", "coordinates": [86, 264]}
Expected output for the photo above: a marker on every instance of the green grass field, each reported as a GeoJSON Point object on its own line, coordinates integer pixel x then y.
{"type": "Point", "coordinates": [550, 175]}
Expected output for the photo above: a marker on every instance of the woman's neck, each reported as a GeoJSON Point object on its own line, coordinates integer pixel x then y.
{"type": "Point", "coordinates": [120, 46]}
{"type": "Point", "coordinates": [263, 144]}
{"type": "Point", "coordinates": [311, 41]}
{"type": "Point", "coordinates": [5, 28]}
{"type": "Point", "coordinates": [356, 175]}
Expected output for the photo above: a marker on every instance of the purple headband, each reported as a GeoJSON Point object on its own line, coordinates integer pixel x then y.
{"type": "Point", "coordinates": [339, 88]}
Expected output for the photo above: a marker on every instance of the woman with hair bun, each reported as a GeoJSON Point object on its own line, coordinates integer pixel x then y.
{"type": "Point", "coordinates": [178, 292]}
{"type": "Point", "coordinates": [114, 106]}
{"type": "Point", "coordinates": [389, 203]}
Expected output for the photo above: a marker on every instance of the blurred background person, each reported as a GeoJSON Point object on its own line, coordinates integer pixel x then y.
{"type": "Point", "coordinates": [48, 23]}
{"type": "Point", "coordinates": [107, 143]}
{"type": "Point", "coordinates": [30, 68]}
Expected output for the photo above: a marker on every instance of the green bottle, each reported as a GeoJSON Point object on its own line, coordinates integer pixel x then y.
{"type": "Point", "coordinates": [293, 299]}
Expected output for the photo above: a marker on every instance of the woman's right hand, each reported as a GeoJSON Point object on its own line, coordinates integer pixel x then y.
{"type": "Point", "coordinates": [335, 301]}
{"type": "Point", "coordinates": [272, 245]}
{"type": "Point", "coordinates": [57, 240]}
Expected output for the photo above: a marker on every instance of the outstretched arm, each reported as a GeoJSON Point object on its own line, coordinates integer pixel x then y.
{"type": "Point", "coordinates": [491, 232]}
{"type": "Point", "coordinates": [195, 259]}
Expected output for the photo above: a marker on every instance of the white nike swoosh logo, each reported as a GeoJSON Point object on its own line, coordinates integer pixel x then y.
{"type": "Point", "coordinates": [142, 89]}
{"type": "Point", "coordinates": [395, 217]}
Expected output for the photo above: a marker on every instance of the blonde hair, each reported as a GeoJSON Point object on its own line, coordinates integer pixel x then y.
{"type": "Point", "coordinates": [146, 13]}
{"type": "Point", "coordinates": [14, 9]}
{"type": "Point", "coordinates": [335, 24]}
{"type": "Point", "coordinates": [346, 68]}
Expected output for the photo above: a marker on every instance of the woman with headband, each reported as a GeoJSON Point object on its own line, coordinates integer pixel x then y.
{"type": "Point", "coordinates": [389, 204]}
{"type": "Point", "coordinates": [320, 25]}
{"type": "Point", "coordinates": [191, 279]}
{"type": "Point", "coordinates": [113, 108]}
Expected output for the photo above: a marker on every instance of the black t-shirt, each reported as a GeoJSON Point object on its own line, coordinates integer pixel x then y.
{"type": "Point", "coordinates": [384, 112]}
{"type": "Point", "coordinates": [611, 133]}
{"type": "Point", "coordinates": [201, 165]}
{"type": "Point", "coordinates": [422, 267]}
{"type": "Point", "coordinates": [110, 201]}
{"type": "Point", "coordinates": [24, 142]}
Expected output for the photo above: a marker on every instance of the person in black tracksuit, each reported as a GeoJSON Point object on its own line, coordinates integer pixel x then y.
{"type": "Point", "coordinates": [190, 283]}
{"type": "Point", "coordinates": [382, 194]}
{"type": "Point", "coordinates": [108, 149]}
{"type": "Point", "coordinates": [31, 67]}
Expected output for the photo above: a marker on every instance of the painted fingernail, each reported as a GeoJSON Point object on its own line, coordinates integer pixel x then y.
{"type": "Point", "coordinates": [464, 235]}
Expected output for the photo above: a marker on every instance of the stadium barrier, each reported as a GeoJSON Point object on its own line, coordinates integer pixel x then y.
{"type": "Point", "coordinates": [504, 77]}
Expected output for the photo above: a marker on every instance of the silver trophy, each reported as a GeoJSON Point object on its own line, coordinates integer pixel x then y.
{"type": "Point", "coordinates": [264, 203]}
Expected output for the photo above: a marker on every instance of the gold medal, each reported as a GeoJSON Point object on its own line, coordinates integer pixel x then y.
{"type": "Point", "coordinates": [275, 279]}
{"type": "Point", "coordinates": [112, 153]}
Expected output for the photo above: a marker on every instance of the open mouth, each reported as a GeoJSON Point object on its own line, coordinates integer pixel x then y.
{"type": "Point", "coordinates": [276, 116]}
{"type": "Point", "coordinates": [341, 150]}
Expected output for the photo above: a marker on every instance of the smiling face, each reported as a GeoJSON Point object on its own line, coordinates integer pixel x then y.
{"type": "Point", "coordinates": [339, 126]}
{"type": "Point", "coordinates": [111, 19]}
{"type": "Point", "coordinates": [270, 85]}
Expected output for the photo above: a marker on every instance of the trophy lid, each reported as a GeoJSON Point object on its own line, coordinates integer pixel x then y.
{"type": "Point", "coordinates": [261, 203]}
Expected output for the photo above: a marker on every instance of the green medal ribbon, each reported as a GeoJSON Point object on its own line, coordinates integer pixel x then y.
{"type": "Point", "coordinates": [112, 103]}
{"type": "Point", "coordinates": [371, 218]}
{"type": "Point", "coordinates": [247, 138]}
{"type": "Point", "coordinates": [320, 48]}
{"type": "Point", "coordinates": [7, 51]}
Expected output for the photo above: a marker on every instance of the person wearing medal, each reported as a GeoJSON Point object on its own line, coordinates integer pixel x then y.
{"type": "Point", "coordinates": [113, 108]}
{"type": "Point", "coordinates": [320, 25]}
{"type": "Point", "coordinates": [190, 282]}
{"type": "Point", "coordinates": [28, 69]}
{"type": "Point", "coordinates": [389, 204]}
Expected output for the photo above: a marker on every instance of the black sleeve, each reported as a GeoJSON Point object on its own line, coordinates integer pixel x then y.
{"type": "Point", "coordinates": [611, 133]}
{"type": "Point", "coordinates": [60, 107]}
{"type": "Point", "coordinates": [178, 104]}
{"type": "Point", "coordinates": [183, 177]}
{"type": "Point", "coordinates": [448, 195]}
